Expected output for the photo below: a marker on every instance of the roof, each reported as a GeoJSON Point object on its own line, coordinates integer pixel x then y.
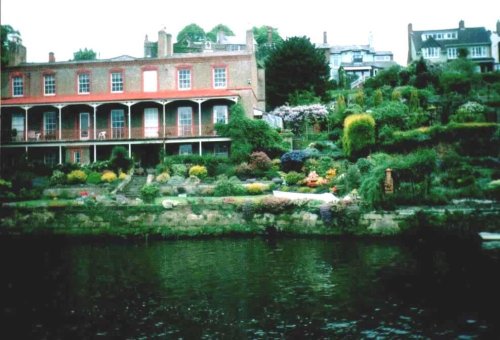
{"type": "Point", "coordinates": [465, 37]}
{"type": "Point", "coordinates": [119, 97]}
{"type": "Point", "coordinates": [340, 49]}
{"type": "Point", "coordinates": [371, 64]}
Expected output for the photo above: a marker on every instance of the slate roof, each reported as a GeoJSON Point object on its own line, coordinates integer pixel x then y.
{"type": "Point", "coordinates": [465, 37]}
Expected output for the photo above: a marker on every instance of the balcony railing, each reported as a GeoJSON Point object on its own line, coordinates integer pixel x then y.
{"type": "Point", "coordinates": [110, 134]}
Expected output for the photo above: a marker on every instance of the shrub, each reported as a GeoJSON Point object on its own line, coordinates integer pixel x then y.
{"type": "Point", "coordinates": [108, 176]}
{"type": "Point", "coordinates": [256, 188]}
{"type": "Point", "coordinates": [119, 159]}
{"type": "Point", "coordinates": [77, 176]}
{"type": "Point", "coordinates": [122, 175]}
{"type": "Point", "coordinates": [58, 177]}
{"type": "Point", "coordinates": [228, 187]}
{"type": "Point", "coordinates": [359, 133]}
{"type": "Point", "coordinates": [260, 161]}
{"type": "Point", "coordinates": [392, 114]}
{"type": "Point", "coordinates": [199, 171]}
{"type": "Point", "coordinates": [248, 210]}
{"type": "Point", "coordinates": [294, 177]}
{"type": "Point", "coordinates": [469, 112]}
{"type": "Point", "coordinates": [179, 170]}
{"type": "Point", "coordinates": [149, 192]}
{"type": "Point", "coordinates": [94, 178]}
{"type": "Point", "coordinates": [294, 160]}
{"type": "Point", "coordinates": [244, 170]}
{"type": "Point", "coordinates": [276, 205]}
{"type": "Point", "coordinates": [163, 177]}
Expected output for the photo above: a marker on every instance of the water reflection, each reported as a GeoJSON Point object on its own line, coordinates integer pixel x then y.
{"type": "Point", "coordinates": [246, 288]}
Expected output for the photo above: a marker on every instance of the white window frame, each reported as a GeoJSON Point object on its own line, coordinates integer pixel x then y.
{"type": "Point", "coordinates": [184, 79]}
{"type": "Point", "coordinates": [83, 84]}
{"type": "Point", "coordinates": [477, 51]}
{"type": "Point", "coordinates": [49, 123]}
{"type": "Point", "coordinates": [452, 52]}
{"type": "Point", "coordinates": [18, 123]}
{"type": "Point", "coordinates": [150, 81]}
{"type": "Point", "coordinates": [49, 84]}
{"type": "Point", "coordinates": [77, 157]}
{"type": "Point", "coordinates": [117, 123]}
{"type": "Point", "coordinates": [188, 149]}
{"type": "Point", "coordinates": [184, 129]}
{"type": "Point", "coordinates": [17, 86]}
{"type": "Point", "coordinates": [431, 52]}
{"type": "Point", "coordinates": [116, 82]}
{"type": "Point", "coordinates": [84, 130]}
{"type": "Point", "coordinates": [220, 114]}
{"type": "Point", "coordinates": [220, 77]}
{"type": "Point", "coordinates": [151, 131]}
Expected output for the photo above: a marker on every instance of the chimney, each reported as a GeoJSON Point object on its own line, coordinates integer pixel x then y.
{"type": "Point", "coordinates": [250, 42]}
{"type": "Point", "coordinates": [269, 35]}
{"type": "Point", "coordinates": [162, 43]}
{"type": "Point", "coordinates": [498, 27]}
{"type": "Point", "coordinates": [461, 24]}
{"type": "Point", "coordinates": [170, 47]}
{"type": "Point", "coordinates": [52, 57]}
{"type": "Point", "coordinates": [220, 36]}
{"type": "Point", "coordinates": [410, 34]}
{"type": "Point", "coordinates": [325, 38]}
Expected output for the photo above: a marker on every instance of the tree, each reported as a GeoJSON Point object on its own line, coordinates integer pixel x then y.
{"type": "Point", "coordinates": [264, 46]}
{"type": "Point", "coordinates": [296, 65]}
{"type": "Point", "coordinates": [10, 39]}
{"type": "Point", "coordinates": [249, 135]}
{"type": "Point", "coordinates": [359, 134]}
{"type": "Point", "coordinates": [190, 34]}
{"type": "Point", "coordinates": [85, 54]}
{"type": "Point", "coordinates": [212, 35]}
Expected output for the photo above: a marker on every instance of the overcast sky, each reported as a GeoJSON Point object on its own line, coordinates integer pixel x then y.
{"type": "Point", "coordinates": [117, 27]}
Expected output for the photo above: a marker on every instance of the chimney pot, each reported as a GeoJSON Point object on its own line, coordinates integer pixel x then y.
{"type": "Point", "coordinates": [325, 38]}
{"type": "Point", "coordinates": [52, 57]}
{"type": "Point", "coordinates": [461, 24]}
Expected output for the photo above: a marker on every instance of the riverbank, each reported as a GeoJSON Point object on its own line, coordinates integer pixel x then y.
{"type": "Point", "coordinates": [197, 217]}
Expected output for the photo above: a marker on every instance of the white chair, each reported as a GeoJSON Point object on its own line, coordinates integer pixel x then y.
{"type": "Point", "coordinates": [102, 135]}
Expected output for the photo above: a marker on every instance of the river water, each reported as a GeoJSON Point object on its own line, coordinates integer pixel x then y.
{"type": "Point", "coordinates": [247, 289]}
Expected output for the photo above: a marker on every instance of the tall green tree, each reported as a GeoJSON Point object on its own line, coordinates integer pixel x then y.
{"type": "Point", "coordinates": [264, 46]}
{"type": "Point", "coordinates": [293, 66]}
{"type": "Point", "coordinates": [10, 39]}
{"type": "Point", "coordinates": [85, 54]}
{"type": "Point", "coordinates": [212, 35]}
{"type": "Point", "coordinates": [190, 34]}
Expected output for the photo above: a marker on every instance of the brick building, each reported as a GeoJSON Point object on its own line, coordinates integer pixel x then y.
{"type": "Point", "coordinates": [77, 111]}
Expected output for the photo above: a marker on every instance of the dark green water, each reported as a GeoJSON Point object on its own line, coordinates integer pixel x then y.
{"type": "Point", "coordinates": [247, 288]}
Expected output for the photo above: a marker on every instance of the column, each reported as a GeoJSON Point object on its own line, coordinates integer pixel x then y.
{"type": "Point", "coordinates": [199, 148]}
{"type": "Point", "coordinates": [129, 150]}
{"type": "Point", "coordinates": [164, 123]}
{"type": "Point", "coordinates": [59, 107]}
{"type": "Point", "coordinates": [60, 154]}
{"type": "Point", "coordinates": [94, 106]}
{"type": "Point", "coordinates": [129, 123]}
{"type": "Point", "coordinates": [25, 108]}
{"type": "Point", "coordinates": [199, 119]}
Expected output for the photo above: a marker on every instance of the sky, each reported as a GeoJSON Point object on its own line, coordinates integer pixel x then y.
{"type": "Point", "coordinates": [118, 27]}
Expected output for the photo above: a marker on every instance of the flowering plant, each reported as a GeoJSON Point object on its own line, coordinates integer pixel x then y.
{"type": "Point", "coordinates": [295, 116]}
{"type": "Point", "coordinates": [313, 180]}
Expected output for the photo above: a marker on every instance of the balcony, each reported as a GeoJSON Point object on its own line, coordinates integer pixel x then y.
{"type": "Point", "coordinates": [109, 134]}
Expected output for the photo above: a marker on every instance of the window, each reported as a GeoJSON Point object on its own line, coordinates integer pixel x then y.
{"type": "Point", "coordinates": [17, 86]}
{"type": "Point", "coordinates": [18, 126]}
{"type": "Point", "coordinates": [431, 52]}
{"type": "Point", "coordinates": [117, 124]}
{"type": "Point", "coordinates": [220, 114]}
{"type": "Point", "coordinates": [221, 149]}
{"type": "Point", "coordinates": [151, 122]}
{"type": "Point", "coordinates": [83, 83]}
{"type": "Point", "coordinates": [185, 149]}
{"type": "Point", "coordinates": [77, 157]}
{"type": "Point", "coordinates": [116, 82]}
{"type": "Point", "coordinates": [150, 81]}
{"type": "Point", "coordinates": [452, 52]}
{"type": "Point", "coordinates": [220, 79]}
{"type": "Point", "coordinates": [50, 159]}
{"type": "Point", "coordinates": [357, 57]}
{"type": "Point", "coordinates": [185, 121]}
{"type": "Point", "coordinates": [184, 79]}
{"type": "Point", "coordinates": [477, 51]}
{"type": "Point", "coordinates": [49, 125]}
{"type": "Point", "coordinates": [49, 84]}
